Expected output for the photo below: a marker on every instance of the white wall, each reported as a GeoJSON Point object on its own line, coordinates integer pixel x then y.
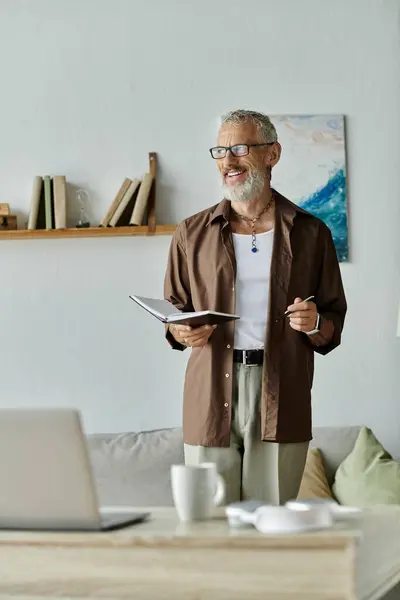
{"type": "Point", "coordinates": [88, 88]}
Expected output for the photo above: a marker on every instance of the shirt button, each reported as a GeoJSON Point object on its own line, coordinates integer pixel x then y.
{"type": "Point", "coordinates": [233, 289]}
{"type": "Point", "coordinates": [228, 346]}
{"type": "Point", "coordinates": [226, 405]}
{"type": "Point", "coordinates": [226, 374]}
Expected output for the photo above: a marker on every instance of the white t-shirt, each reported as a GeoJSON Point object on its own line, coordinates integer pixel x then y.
{"type": "Point", "coordinates": [252, 289]}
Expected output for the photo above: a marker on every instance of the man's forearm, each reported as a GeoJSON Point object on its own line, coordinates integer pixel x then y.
{"type": "Point", "coordinates": [324, 335]}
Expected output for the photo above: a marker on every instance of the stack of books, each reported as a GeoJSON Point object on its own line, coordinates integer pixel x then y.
{"type": "Point", "coordinates": [129, 205]}
{"type": "Point", "coordinates": [49, 203]}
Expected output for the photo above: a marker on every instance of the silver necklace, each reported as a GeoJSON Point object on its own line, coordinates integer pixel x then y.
{"type": "Point", "coordinates": [253, 222]}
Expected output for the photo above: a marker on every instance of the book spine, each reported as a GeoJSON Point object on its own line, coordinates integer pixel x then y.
{"type": "Point", "coordinates": [48, 202]}
{"type": "Point", "coordinates": [60, 202]}
{"type": "Point", "coordinates": [35, 202]}
{"type": "Point", "coordinates": [124, 202]}
{"type": "Point", "coordinates": [141, 200]}
{"type": "Point", "coordinates": [121, 193]}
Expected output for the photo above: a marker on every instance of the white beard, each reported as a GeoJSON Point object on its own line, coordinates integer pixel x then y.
{"type": "Point", "coordinates": [249, 190]}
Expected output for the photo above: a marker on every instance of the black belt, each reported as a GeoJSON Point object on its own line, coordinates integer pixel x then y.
{"type": "Point", "coordinates": [249, 357]}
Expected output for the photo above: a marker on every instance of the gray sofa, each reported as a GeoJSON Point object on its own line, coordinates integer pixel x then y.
{"type": "Point", "coordinates": [133, 468]}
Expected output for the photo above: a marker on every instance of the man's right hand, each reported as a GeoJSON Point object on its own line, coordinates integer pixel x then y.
{"type": "Point", "coordinates": [193, 337]}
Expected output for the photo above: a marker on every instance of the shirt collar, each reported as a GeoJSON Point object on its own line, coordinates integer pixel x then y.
{"type": "Point", "coordinates": [221, 211]}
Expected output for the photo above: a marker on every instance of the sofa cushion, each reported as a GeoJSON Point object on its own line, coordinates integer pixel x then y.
{"type": "Point", "coordinates": [369, 475]}
{"type": "Point", "coordinates": [314, 483]}
{"type": "Point", "coordinates": [134, 468]}
{"type": "Point", "coordinates": [334, 443]}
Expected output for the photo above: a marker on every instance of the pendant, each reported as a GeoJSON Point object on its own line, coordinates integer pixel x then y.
{"type": "Point", "coordinates": [253, 241]}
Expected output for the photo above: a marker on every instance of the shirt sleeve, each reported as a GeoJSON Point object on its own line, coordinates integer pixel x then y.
{"type": "Point", "coordinates": [177, 281]}
{"type": "Point", "coordinates": [330, 297]}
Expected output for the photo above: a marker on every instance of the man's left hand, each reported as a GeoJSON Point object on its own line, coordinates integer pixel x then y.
{"type": "Point", "coordinates": [303, 315]}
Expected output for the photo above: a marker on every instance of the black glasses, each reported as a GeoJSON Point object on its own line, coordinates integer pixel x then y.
{"type": "Point", "coordinates": [237, 150]}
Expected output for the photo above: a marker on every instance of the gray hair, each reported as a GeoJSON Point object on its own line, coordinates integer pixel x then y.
{"type": "Point", "coordinates": [263, 123]}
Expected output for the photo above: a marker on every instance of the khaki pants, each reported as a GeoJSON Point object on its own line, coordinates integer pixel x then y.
{"type": "Point", "coordinates": [253, 469]}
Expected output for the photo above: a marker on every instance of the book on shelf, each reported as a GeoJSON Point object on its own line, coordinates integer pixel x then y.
{"type": "Point", "coordinates": [116, 202]}
{"type": "Point", "coordinates": [36, 198]}
{"type": "Point", "coordinates": [48, 202]}
{"type": "Point", "coordinates": [141, 201]}
{"type": "Point", "coordinates": [41, 218]}
{"type": "Point", "coordinates": [125, 208]}
{"type": "Point", "coordinates": [60, 201]}
{"type": "Point", "coordinates": [167, 313]}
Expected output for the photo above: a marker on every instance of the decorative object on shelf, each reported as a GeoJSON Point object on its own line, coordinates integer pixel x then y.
{"type": "Point", "coordinates": [7, 220]}
{"type": "Point", "coordinates": [82, 200]}
{"type": "Point", "coordinates": [4, 209]}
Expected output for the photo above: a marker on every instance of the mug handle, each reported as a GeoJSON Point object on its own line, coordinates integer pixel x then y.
{"type": "Point", "coordinates": [220, 491]}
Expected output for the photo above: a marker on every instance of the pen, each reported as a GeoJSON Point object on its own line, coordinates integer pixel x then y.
{"type": "Point", "coordinates": [288, 312]}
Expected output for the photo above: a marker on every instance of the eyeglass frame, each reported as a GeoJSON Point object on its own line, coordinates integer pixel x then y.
{"type": "Point", "coordinates": [229, 149]}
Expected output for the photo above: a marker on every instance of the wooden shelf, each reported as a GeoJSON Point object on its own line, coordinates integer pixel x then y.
{"type": "Point", "coordinates": [25, 234]}
{"type": "Point", "coordinates": [150, 229]}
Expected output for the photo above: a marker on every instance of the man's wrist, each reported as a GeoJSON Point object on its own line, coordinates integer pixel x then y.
{"type": "Point", "coordinates": [317, 326]}
{"type": "Point", "coordinates": [172, 331]}
{"type": "Point", "coordinates": [177, 338]}
{"type": "Point", "coordinates": [325, 333]}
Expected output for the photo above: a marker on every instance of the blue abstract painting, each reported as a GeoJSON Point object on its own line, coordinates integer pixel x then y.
{"type": "Point", "coordinates": [312, 170]}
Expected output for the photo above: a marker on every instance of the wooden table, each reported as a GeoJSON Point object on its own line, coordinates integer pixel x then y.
{"type": "Point", "coordinates": [166, 560]}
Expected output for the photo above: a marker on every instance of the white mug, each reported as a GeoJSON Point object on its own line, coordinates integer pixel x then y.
{"type": "Point", "coordinates": [196, 490]}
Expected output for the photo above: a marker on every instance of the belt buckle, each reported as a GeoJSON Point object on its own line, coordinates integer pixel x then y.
{"type": "Point", "coordinates": [244, 360]}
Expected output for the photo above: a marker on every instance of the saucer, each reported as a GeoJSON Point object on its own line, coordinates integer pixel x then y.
{"type": "Point", "coordinates": [338, 511]}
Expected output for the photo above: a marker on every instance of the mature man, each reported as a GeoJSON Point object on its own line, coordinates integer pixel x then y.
{"type": "Point", "coordinates": [247, 393]}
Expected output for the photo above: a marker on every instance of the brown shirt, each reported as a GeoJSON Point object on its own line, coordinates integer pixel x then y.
{"type": "Point", "coordinates": [201, 275]}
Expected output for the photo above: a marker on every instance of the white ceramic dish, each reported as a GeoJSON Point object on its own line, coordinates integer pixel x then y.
{"type": "Point", "coordinates": [346, 512]}
{"type": "Point", "coordinates": [281, 519]}
{"type": "Point", "coordinates": [338, 511]}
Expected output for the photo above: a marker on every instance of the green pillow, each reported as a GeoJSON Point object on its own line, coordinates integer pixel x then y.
{"type": "Point", "coordinates": [368, 475]}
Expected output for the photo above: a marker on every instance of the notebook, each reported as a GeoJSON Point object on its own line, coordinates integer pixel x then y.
{"type": "Point", "coordinates": [168, 313]}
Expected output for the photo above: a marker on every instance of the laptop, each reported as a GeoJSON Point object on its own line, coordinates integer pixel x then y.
{"type": "Point", "coordinates": [46, 478]}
